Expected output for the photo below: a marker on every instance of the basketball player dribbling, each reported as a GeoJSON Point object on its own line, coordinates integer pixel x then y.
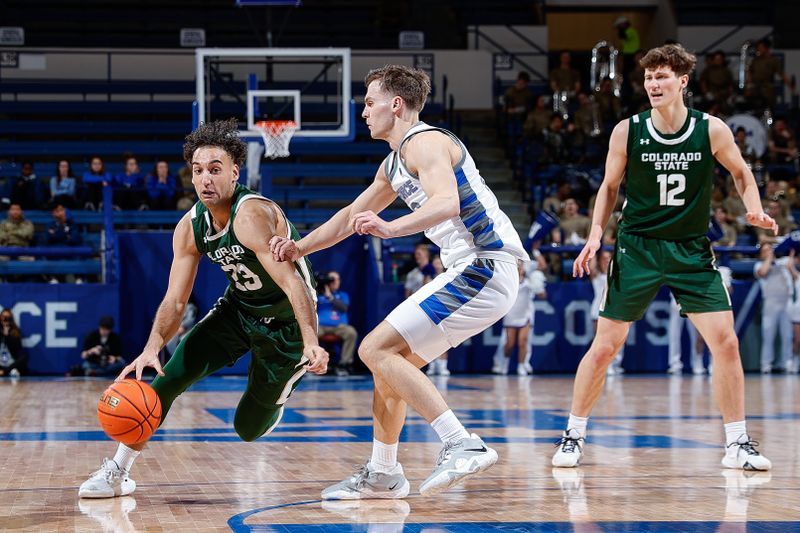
{"type": "Point", "coordinates": [667, 158]}
{"type": "Point", "coordinates": [431, 170]}
{"type": "Point", "coordinates": [268, 308]}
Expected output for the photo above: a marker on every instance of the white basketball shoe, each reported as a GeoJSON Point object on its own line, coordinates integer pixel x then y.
{"type": "Point", "coordinates": [108, 482]}
{"type": "Point", "coordinates": [366, 483]}
{"type": "Point", "coordinates": [743, 454]}
{"type": "Point", "coordinates": [570, 449]}
{"type": "Point", "coordinates": [457, 461]}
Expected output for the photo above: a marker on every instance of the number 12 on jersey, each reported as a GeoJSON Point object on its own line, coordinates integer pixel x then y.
{"type": "Point", "coordinates": [670, 186]}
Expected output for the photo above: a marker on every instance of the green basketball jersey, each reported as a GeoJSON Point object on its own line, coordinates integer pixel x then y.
{"type": "Point", "coordinates": [250, 287]}
{"type": "Point", "coordinates": [669, 179]}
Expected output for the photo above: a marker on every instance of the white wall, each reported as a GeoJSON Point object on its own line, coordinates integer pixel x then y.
{"type": "Point", "coordinates": [468, 71]}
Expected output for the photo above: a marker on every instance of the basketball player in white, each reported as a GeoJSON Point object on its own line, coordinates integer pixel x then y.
{"type": "Point", "coordinates": [431, 170]}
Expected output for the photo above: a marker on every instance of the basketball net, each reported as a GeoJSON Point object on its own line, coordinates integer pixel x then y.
{"type": "Point", "coordinates": [276, 134]}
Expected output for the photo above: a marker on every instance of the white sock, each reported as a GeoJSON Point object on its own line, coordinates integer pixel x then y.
{"type": "Point", "coordinates": [125, 457]}
{"type": "Point", "coordinates": [578, 423]}
{"type": "Point", "coordinates": [734, 430]}
{"type": "Point", "coordinates": [449, 429]}
{"type": "Point", "coordinates": [384, 456]}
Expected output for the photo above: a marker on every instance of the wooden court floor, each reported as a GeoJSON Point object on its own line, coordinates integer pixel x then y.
{"type": "Point", "coordinates": [652, 462]}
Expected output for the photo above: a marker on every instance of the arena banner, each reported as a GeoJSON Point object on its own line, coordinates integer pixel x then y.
{"type": "Point", "coordinates": [563, 331]}
{"type": "Point", "coordinates": [55, 319]}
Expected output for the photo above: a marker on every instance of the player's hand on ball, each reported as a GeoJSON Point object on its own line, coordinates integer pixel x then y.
{"type": "Point", "coordinates": [283, 249]}
{"type": "Point", "coordinates": [317, 359]}
{"type": "Point", "coordinates": [368, 223]}
{"type": "Point", "coordinates": [762, 220]}
{"type": "Point", "coordinates": [140, 363]}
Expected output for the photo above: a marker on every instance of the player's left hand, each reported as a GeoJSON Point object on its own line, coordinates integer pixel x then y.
{"type": "Point", "coordinates": [317, 359]}
{"type": "Point", "coordinates": [762, 220]}
{"type": "Point", "coordinates": [368, 223]}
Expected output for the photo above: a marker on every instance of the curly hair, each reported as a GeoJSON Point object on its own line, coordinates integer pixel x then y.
{"type": "Point", "coordinates": [411, 84]}
{"type": "Point", "coordinates": [673, 56]}
{"type": "Point", "coordinates": [221, 133]}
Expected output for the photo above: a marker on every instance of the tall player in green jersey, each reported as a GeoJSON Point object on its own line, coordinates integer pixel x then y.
{"type": "Point", "coordinates": [666, 156]}
{"type": "Point", "coordinates": [268, 308]}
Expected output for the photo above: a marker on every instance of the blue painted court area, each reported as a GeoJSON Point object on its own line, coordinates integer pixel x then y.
{"type": "Point", "coordinates": [538, 527]}
{"type": "Point", "coordinates": [248, 521]}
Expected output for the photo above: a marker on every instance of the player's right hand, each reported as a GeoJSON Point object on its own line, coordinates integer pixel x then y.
{"type": "Point", "coordinates": [145, 359]}
{"type": "Point", "coordinates": [283, 249]}
{"type": "Point", "coordinates": [581, 265]}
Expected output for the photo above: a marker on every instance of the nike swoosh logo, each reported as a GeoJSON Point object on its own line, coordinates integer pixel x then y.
{"type": "Point", "coordinates": [481, 449]}
{"type": "Point", "coordinates": [394, 486]}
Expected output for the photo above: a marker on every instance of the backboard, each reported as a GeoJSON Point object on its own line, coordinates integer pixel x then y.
{"type": "Point", "coordinates": [311, 86]}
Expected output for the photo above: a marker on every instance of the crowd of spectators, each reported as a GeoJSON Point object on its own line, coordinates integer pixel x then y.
{"type": "Point", "coordinates": [131, 188]}
{"type": "Point", "coordinates": [557, 150]}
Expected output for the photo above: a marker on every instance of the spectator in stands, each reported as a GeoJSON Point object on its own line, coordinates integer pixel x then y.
{"type": "Point", "coordinates": [13, 359]}
{"type": "Point", "coordinates": [584, 119]}
{"type": "Point", "coordinates": [557, 142]}
{"type": "Point", "coordinates": [94, 180]}
{"type": "Point", "coordinates": [555, 203]}
{"type": "Point", "coordinates": [15, 230]}
{"type": "Point", "coordinates": [574, 228]}
{"type": "Point", "coordinates": [537, 119]}
{"type": "Point", "coordinates": [716, 81]}
{"type": "Point", "coordinates": [518, 98]}
{"type": "Point", "coordinates": [747, 151]}
{"type": "Point", "coordinates": [27, 190]}
{"type": "Point", "coordinates": [62, 230]}
{"type": "Point", "coordinates": [161, 187]}
{"type": "Point", "coordinates": [565, 78]}
{"type": "Point", "coordinates": [608, 105]}
{"type": "Point", "coordinates": [735, 208]}
{"type": "Point", "coordinates": [188, 320]}
{"type": "Point", "coordinates": [728, 231]}
{"type": "Point", "coordinates": [774, 209]}
{"type": "Point", "coordinates": [101, 350]}
{"type": "Point", "coordinates": [629, 46]}
{"type": "Point", "coordinates": [761, 74]}
{"type": "Point", "coordinates": [639, 101]}
{"type": "Point", "coordinates": [62, 186]}
{"type": "Point", "coordinates": [186, 194]}
{"type": "Point", "coordinates": [782, 150]}
{"type": "Point", "coordinates": [777, 284]}
{"type": "Point", "coordinates": [332, 306]}
{"type": "Point", "coordinates": [438, 366]}
{"type": "Point", "coordinates": [423, 272]}
{"type": "Point", "coordinates": [129, 191]}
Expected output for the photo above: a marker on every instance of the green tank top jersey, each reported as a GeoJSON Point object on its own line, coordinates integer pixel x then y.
{"type": "Point", "coordinates": [669, 179]}
{"type": "Point", "coordinates": [251, 287]}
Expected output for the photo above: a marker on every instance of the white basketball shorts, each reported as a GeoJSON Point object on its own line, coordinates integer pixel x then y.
{"type": "Point", "coordinates": [456, 305]}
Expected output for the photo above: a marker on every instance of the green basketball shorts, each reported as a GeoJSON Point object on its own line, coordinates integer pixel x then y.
{"type": "Point", "coordinates": [641, 265]}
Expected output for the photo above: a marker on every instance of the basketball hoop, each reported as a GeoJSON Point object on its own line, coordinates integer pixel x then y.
{"type": "Point", "coordinates": [276, 134]}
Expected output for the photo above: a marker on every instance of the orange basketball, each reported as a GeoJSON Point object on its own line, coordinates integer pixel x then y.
{"type": "Point", "coordinates": [129, 411]}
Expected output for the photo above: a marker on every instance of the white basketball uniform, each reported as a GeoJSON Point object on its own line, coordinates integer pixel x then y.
{"type": "Point", "coordinates": [776, 293]}
{"type": "Point", "coordinates": [479, 248]}
{"type": "Point", "coordinates": [521, 313]}
{"type": "Point", "coordinates": [599, 287]}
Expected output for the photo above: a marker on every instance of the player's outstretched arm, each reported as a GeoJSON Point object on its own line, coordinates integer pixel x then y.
{"type": "Point", "coordinates": [377, 197]}
{"type": "Point", "coordinates": [428, 155]}
{"type": "Point", "coordinates": [727, 153]}
{"type": "Point", "coordinates": [182, 273]}
{"type": "Point", "coordinates": [255, 225]}
{"type": "Point", "coordinates": [606, 197]}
